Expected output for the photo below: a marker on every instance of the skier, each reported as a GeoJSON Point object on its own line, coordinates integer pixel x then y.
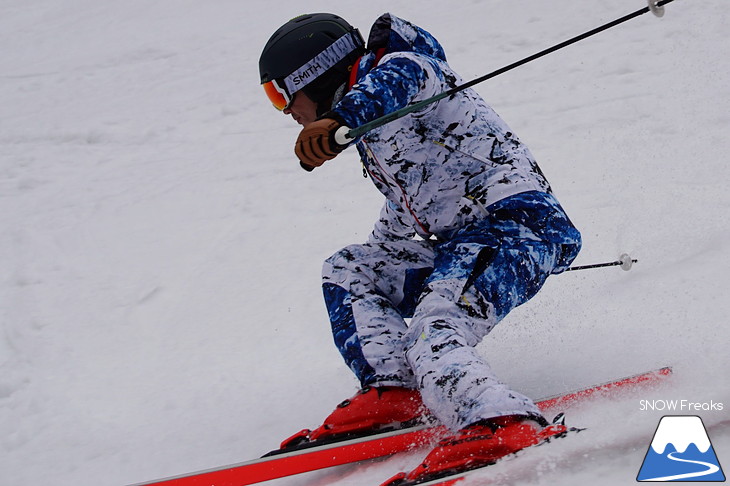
{"type": "Point", "coordinates": [469, 230]}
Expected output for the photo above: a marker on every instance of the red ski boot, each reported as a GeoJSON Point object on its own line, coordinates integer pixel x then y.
{"type": "Point", "coordinates": [479, 445]}
{"type": "Point", "coordinates": [370, 410]}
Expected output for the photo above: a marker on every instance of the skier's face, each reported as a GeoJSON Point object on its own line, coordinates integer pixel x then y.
{"type": "Point", "coordinates": [302, 109]}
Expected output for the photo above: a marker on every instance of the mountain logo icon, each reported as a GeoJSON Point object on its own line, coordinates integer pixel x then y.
{"type": "Point", "coordinates": [681, 451]}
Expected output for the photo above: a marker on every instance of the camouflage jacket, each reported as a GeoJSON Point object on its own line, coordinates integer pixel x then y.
{"type": "Point", "coordinates": [440, 167]}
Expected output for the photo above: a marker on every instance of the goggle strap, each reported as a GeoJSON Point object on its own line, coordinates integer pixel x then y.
{"type": "Point", "coordinates": [323, 61]}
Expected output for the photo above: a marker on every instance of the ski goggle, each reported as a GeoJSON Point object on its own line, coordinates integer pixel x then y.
{"type": "Point", "coordinates": [281, 92]}
{"type": "Point", "coordinates": [278, 95]}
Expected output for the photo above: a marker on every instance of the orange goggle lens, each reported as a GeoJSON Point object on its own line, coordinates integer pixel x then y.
{"type": "Point", "coordinates": [278, 96]}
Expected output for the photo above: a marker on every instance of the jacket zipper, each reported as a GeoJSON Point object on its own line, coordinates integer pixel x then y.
{"type": "Point", "coordinates": [403, 192]}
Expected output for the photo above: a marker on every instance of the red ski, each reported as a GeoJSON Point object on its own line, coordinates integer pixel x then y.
{"type": "Point", "coordinates": [283, 464]}
{"type": "Point", "coordinates": [313, 456]}
{"type": "Point", "coordinates": [452, 478]}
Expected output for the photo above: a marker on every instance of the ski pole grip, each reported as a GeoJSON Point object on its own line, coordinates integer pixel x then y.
{"type": "Point", "coordinates": [342, 136]}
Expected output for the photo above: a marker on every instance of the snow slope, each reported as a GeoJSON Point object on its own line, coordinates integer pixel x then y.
{"type": "Point", "coordinates": [160, 251]}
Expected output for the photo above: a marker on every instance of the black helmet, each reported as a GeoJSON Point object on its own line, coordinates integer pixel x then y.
{"type": "Point", "coordinates": [313, 53]}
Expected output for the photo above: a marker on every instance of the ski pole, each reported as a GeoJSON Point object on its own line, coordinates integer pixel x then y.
{"type": "Point", "coordinates": [624, 261]}
{"type": "Point", "coordinates": [345, 134]}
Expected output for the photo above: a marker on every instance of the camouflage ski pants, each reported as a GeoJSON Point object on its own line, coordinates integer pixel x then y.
{"type": "Point", "coordinates": [455, 290]}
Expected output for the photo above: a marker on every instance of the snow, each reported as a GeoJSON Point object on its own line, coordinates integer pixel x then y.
{"type": "Point", "coordinates": [161, 248]}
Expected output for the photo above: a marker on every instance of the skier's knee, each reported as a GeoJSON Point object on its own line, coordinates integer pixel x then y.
{"type": "Point", "coordinates": [342, 262]}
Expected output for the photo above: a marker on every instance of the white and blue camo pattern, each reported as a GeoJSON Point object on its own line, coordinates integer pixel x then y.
{"type": "Point", "coordinates": [492, 232]}
{"type": "Point", "coordinates": [442, 165]}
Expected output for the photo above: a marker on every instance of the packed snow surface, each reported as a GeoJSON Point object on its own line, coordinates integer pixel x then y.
{"type": "Point", "coordinates": [161, 248]}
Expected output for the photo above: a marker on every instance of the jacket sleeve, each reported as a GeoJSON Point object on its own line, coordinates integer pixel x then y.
{"type": "Point", "coordinates": [400, 79]}
{"type": "Point", "coordinates": [391, 225]}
